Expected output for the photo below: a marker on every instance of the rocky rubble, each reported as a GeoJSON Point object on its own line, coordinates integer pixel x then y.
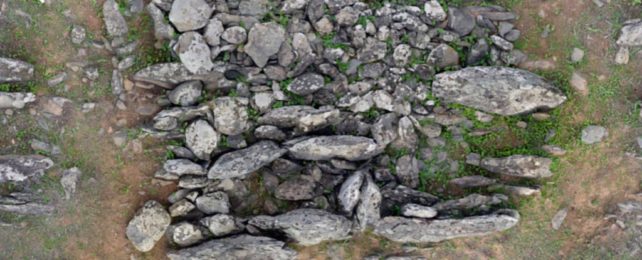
{"type": "Point", "coordinates": [335, 113]}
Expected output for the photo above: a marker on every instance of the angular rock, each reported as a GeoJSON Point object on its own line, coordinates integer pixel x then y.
{"type": "Point", "coordinates": [240, 163]}
{"type": "Point", "coordinates": [15, 100]}
{"type": "Point", "coordinates": [460, 21]}
{"type": "Point", "coordinates": [213, 203]}
{"type": "Point", "coordinates": [221, 224]}
{"type": "Point", "coordinates": [418, 211]}
{"type": "Point", "coordinates": [186, 94]}
{"type": "Point", "coordinates": [235, 35]}
{"type": "Point", "coordinates": [168, 75]}
{"type": "Point", "coordinates": [15, 168]}
{"type": "Point", "coordinates": [558, 219]}
{"type": "Point", "coordinates": [368, 211]}
{"type": "Point", "coordinates": [15, 70]}
{"type": "Point", "coordinates": [181, 167]}
{"type": "Point", "coordinates": [631, 34]}
{"type": "Point", "coordinates": [524, 166]}
{"type": "Point", "coordinates": [434, 11]}
{"type": "Point", "coordinates": [256, 8]}
{"type": "Point", "coordinates": [264, 40]}
{"type": "Point", "coordinates": [168, 119]}
{"type": "Point", "coordinates": [297, 188]}
{"type": "Point", "coordinates": [190, 15]}
{"type": "Point", "coordinates": [21, 203]}
{"type": "Point", "coordinates": [407, 171]}
{"type": "Point", "coordinates": [201, 139]}
{"type": "Point", "coordinates": [148, 226]}
{"type": "Point", "coordinates": [213, 32]}
{"type": "Point", "coordinates": [230, 115]}
{"type": "Point", "coordinates": [594, 134]}
{"type": "Point", "coordinates": [443, 56]}
{"type": "Point", "coordinates": [307, 226]}
{"type": "Point", "coordinates": [269, 132]}
{"type": "Point", "coordinates": [351, 148]}
{"type": "Point", "coordinates": [69, 181]}
{"type": "Point", "coordinates": [350, 192]}
{"type": "Point", "coordinates": [475, 181]}
{"type": "Point", "coordinates": [303, 118]}
{"type": "Point", "coordinates": [239, 247]}
{"type": "Point", "coordinates": [162, 29]}
{"type": "Point", "coordinates": [499, 90]}
{"type": "Point", "coordinates": [194, 53]}
{"type": "Point", "coordinates": [181, 208]}
{"type": "Point", "coordinates": [471, 202]}
{"type": "Point", "coordinates": [185, 234]}
{"type": "Point", "coordinates": [114, 20]}
{"type": "Point", "coordinates": [409, 230]}
{"type": "Point", "coordinates": [306, 84]}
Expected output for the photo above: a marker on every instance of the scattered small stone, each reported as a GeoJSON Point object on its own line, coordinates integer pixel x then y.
{"type": "Point", "coordinates": [558, 219]}
{"type": "Point", "coordinates": [579, 84]}
{"type": "Point", "coordinates": [577, 55]}
{"type": "Point", "coordinates": [69, 181]}
{"type": "Point", "coordinates": [622, 56]}
{"type": "Point", "coordinates": [593, 134]}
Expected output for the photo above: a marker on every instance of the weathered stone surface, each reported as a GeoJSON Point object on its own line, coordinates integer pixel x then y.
{"type": "Point", "coordinates": [15, 168]}
{"type": "Point", "coordinates": [15, 100]}
{"type": "Point", "coordinates": [350, 192]}
{"type": "Point", "coordinates": [443, 56]}
{"type": "Point", "coordinates": [407, 171]}
{"type": "Point", "coordinates": [162, 29]}
{"type": "Point", "coordinates": [201, 139]}
{"type": "Point", "coordinates": [215, 202]}
{"type": "Point", "coordinates": [230, 115]}
{"type": "Point", "coordinates": [631, 34]}
{"type": "Point", "coordinates": [352, 148]}
{"type": "Point", "coordinates": [243, 162]}
{"type": "Point", "coordinates": [114, 20]}
{"type": "Point", "coordinates": [15, 70]}
{"type": "Point", "coordinates": [181, 167]}
{"type": "Point", "coordinates": [235, 35]}
{"type": "Point", "coordinates": [186, 94]}
{"type": "Point", "coordinates": [401, 195]}
{"type": "Point", "coordinates": [194, 53]}
{"type": "Point", "coordinates": [525, 166]}
{"type": "Point", "coordinates": [306, 84]}
{"type": "Point", "coordinates": [594, 134]}
{"type": "Point", "coordinates": [412, 210]}
{"type": "Point", "coordinates": [21, 203]}
{"type": "Point", "coordinates": [181, 208]}
{"type": "Point", "coordinates": [307, 226]}
{"type": "Point", "coordinates": [221, 224]}
{"type": "Point", "coordinates": [368, 211]}
{"type": "Point", "coordinates": [168, 119]}
{"type": "Point", "coordinates": [148, 226]}
{"type": "Point", "coordinates": [558, 219]}
{"type": "Point", "coordinates": [434, 11]}
{"type": "Point", "coordinates": [264, 40]}
{"type": "Point", "coordinates": [189, 15]}
{"type": "Point", "coordinates": [500, 90]}
{"type": "Point", "coordinates": [297, 188]}
{"type": "Point", "coordinates": [475, 181]}
{"type": "Point", "coordinates": [239, 247]}
{"type": "Point", "coordinates": [303, 118]}
{"type": "Point", "coordinates": [185, 234]}
{"type": "Point", "coordinates": [471, 202]}
{"type": "Point", "coordinates": [409, 230]}
{"type": "Point", "coordinates": [213, 32]}
{"type": "Point", "coordinates": [168, 75]}
{"type": "Point", "coordinates": [69, 181]}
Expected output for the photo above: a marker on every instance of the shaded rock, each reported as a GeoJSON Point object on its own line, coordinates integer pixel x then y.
{"type": "Point", "coordinates": [350, 192]}
{"type": "Point", "coordinates": [474, 181]}
{"type": "Point", "coordinates": [186, 94]}
{"type": "Point", "coordinates": [434, 11]}
{"type": "Point", "coordinates": [443, 56]}
{"type": "Point", "coordinates": [194, 52]}
{"type": "Point", "coordinates": [351, 148]}
{"type": "Point", "coordinates": [500, 90]}
{"type": "Point", "coordinates": [235, 35]}
{"type": "Point", "coordinates": [418, 211]}
{"type": "Point", "coordinates": [201, 139]}
{"type": "Point", "coordinates": [215, 202]}
{"type": "Point", "coordinates": [15, 100]}
{"type": "Point", "coordinates": [148, 226]}
{"type": "Point", "coordinates": [69, 181]}
{"type": "Point", "coordinates": [162, 29]}
{"type": "Point", "coordinates": [401, 195]}
{"type": "Point", "coordinates": [15, 70]}
{"type": "Point", "coordinates": [558, 219]}
{"type": "Point", "coordinates": [525, 166]}
{"type": "Point", "coordinates": [303, 118]}
{"type": "Point", "coordinates": [185, 234]}
{"type": "Point", "coordinates": [460, 22]}
{"type": "Point", "coordinates": [230, 115]}
{"type": "Point", "coordinates": [221, 224]}
{"type": "Point", "coordinates": [114, 20]}
{"type": "Point", "coordinates": [236, 248]}
{"type": "Point", "coordinates": [407, 171]}
{"type": "Point", "coordinates": [307, 226]}
{"type": "Point", "coordinates": [189, 15]}
{"type": "Point", "coordinates": [631, 34]}
{"type": "Point", "coordinates": [470, 202]}
{"type": "Point", "coordinates": [579, 84]}
{"type": "Point", "coordinates": [242, 162]}
{"type": "Point", "coordinates": [181, 167]}
{"type": "Point", "coordinates": [594, 134]}
{"type": "Point", "coordinates": [409, 230]}
{"type": "Point", "coordinates": [15, 168]}
{"type": "Point", "coordinates": [368, 211]}
{"type": "Point", "coordinates": [21, 203]}
{"type": "Point", "coordinates": [306, 84]}
{"type": "Point", "coordinates": [297, 188]}
{"type": "Point", "coordinates": [264, 40]}
{"type": "Point", "coordinates": [269, 132]}
{"type": "Point", "coordinates": [181, 208]}
{"type": "Point", "coordinates": [213, 32]}
{"type": "Point", "coordinates": [168, 75]}
{"type": "Point", "coordinates": [170, 118]}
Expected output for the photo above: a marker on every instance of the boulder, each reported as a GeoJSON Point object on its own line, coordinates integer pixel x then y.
{"type": "Point", "coordinates": [264, 40]}
{"type": "Point", "coordinates": [230, 115]}
{"type": "Point", "coordinates": [221, 224]}
{"type": "Point", "coordinates": [186, 94]}
{"type": "Point", "coordinates": [185, 234]}
{"type": "Point", "coordinates": [368, 210]}
{"type": "Point", "coordinates": [306, 84]}
{"type": "Point", "coordinates": [239, 247]}
{"type": "Point", "coordinates": [499, 90]}
{"type": "Point", "coordinates": [15, 168]}
{"type": "Point", "coordinates": [213, 203]}
{"type": "Point", "coordinates": [352, 148]}
{"type": "Point", "coordinates": [350, 192]}
{"type": "Point", "coordinates": [114, 20]}
{"type": "Point", "coordinates": [242, 162]}
{"type": "Point", "coordinates": [523, 166]}
{"type": "Point", "coordinates": [148, 226]}
{"type": "Point", "coordinates": [201, 139]}
{"type": "Point", "coordinates": [194, 52]}
{"type": "Point", "coordinates": [15, 70]}
{"type": "Point", "coordinates": [190, 15]}
{"type": "Point", "coordinates": [631, 34]}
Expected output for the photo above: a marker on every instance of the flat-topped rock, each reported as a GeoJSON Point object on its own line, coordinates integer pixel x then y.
{"type": "Point", "coordinates": [169, 75]}
{"type": "Point", "coordinates": [303, 118]}
{"type": "Point", "coordinates": [631, 34]}
{"type": "Point", "coordinates": [240, 247]}
{"type": "Point", "coordinates": [14, 168]}
{"type": "Point", "coordinates": [524, 166]}
{"type": "Point", "coordinates": [15, 70]}
{"type": "Point", "coordinates": [245, 161]}
{"type": "Point", "coordinates": [352, 148]}
{"type": "Point", "coordinates": [148, 226]}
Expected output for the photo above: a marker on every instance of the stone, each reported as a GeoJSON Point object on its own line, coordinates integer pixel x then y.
{"type": "Point", "coordinates": [558, 218]}
{"type": "Point", "coordinates": [264, 40]}
{"type": "Point", "coordinates": [114, 20]}
{"type": "Point", "coordinates": [307, 226]}
{"type": "Point", "coordinates": [350, 191]}
{"type": "Point", "coordinates": [373, 51]}
{"type": "Point", "coordinates": [237, 248]}
{"type": "Point", "coordinates": [181, 208]}
{"type": "Point", "coordinates": [69, 181]}
{"type": "Point", "coordinates": [148, 226]}
{"type": "Point", "coordinates": [501, 43]}
{"type": "Point", "coordinates": [186, 94]}
{"type": "Point", "coordinates": [269, 132]}
{"type": "Point", "coordinates": [593, 134]}
{"type": "Point", "coordinates": [418, 211]}
{"type": "Point", "coordinates": [256, 8]}
{"type": "Point", "coordinates": [460, 22]}
{"type": "Point", "coordinates": [162, 29]}
{"type": "Point", "coordinates": [15, 100]}
{"type": "Point", "coordinates": [478, 52]}
{"type": "Point", "coordinates": [351, 148]}
{"type": "Point", "coordinates": [401, 195]}
{"type": "Point", "coordinates": [185, 234]}
{"type": "Point", "coordinates": [577, 55]}
{"type": "Point", "coordinates": [475, 181]}
{"type": "Point", "coordinates": [622, 56]}
{"type": "Point", "coordinates": [303, 118]}
{"type": "Point", "coordinates": [472, 202]}
{"type": "Point", "coordinates": [78, 34]}
{"type": "Point", "coordinates": [221, 224]}
{"type": "Point", "coordinates": [169, 75]}
{"type": "Point", "coordinates": [368, 211]}
{"type": "Point", "coordinates": [231, 115]}
{"type": "Point", "coordinates": [242, 162]}
{"type": "Point", "coordinates": [15, 70]}
{"type": "Point", "coordinates": [306, 84]}
{"type": "Point", "coordinates": [554, 150]}
{"type": "Point", "coordinates": [407, 171]}
{"type": "Point", "coordinates": [17, 168]}
{"type": "Point", "coordinates": [499, 90]}
{"type": "Point", "coordinates": [213, 32]}
{"type": "Point", "coordinates": [234, 35]}
{"type": "Point", "coordinates": [523, 166]}
{"type": "Point", "coordinates": [347, 17]}
{"type": "Point", "coordinates": [194, 53]}
{"type": "Point", "coordinates": [434, 11]}
{"type": "Point", "coordinates": [201, 139]}
{"type": "Point", "coordinates": [296, 189]}
{"type": "Point", "coordinates": [401, 54]}
{"type": "Point", "coordinates": [190, 15]}
{"type": "Point", "coordinates": [443, 56]}
{"type": "Point", "coordinates": [412, 230]}
{"type": "Point", "coordinates": [631, 34]}
{"type": "Point", "coordinates": [579, 84]}
{"type": "Point", "coordinates": [21, 203]}
{"type": "Point", "coordinates": [213, 203]}
{"type": "Point", "coordinates": [520, 192]}
{"type": "Point", "coordinates": [58, 79]}
{"type": "Point", "coordinates": [181, 167]}
{"type": "Point", "coordinates": [168, 119]}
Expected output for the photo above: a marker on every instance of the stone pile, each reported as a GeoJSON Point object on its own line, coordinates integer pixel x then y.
{"type": "Point", "coordinates": [318, 98]}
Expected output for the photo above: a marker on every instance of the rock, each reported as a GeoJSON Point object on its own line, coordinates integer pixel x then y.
{"type": "Point", "coordinates": [114, 20]}
{"type": "Point", "coordinates": [579, 84]}
{"type": "Point", "coordinates": [443, 56]}
{"type": "Point", "coordinates": [434, 11]}
{"type": "Point", "coordinates": [264, 40]}
{"type": "Point", "coordinates": [594, 134]}
{"type": "Point", "coordinates": [475, 181]}
{"type": "Point", "coordinates": [473, 201]}
{"type": "Point", "coordinates": [401, 195]}
{"type": "Point", "coordinates": [418, 211]}
{"type": "Point", "coordinates": [230, 115]}
{"type": "Point", "coordinates": [186, 94]}
{"type": "Point", "coordinates": [21, 203]}
{"type": "Point", "coordinates": [295, 189]}
{"type": "Point", "coordinates": [524, 166]}
{"type": "Point", "coordinates": [194, 52]}
{"type": "Point", "coordinates": [460, 22]}
{"type": "Point", "coordinates": [306, 84]}
{"type": "Point", "coordinates": [478, 52]}
{"type": "Point", "coordinates": [237, 248]}
{"type": "Point", "coordinates": [78, 34]}
{"type": "Point", "coordinates": [577, 55]}
{"type": "Point", "coordinates": [16, 168]}
{"type": "Point", "coordinates": [303, 118]}
{"type": "Point", "coordinates": [401, 54]}
{"type": "Point", "coordinates": [407, 171]}
{"type": "Point", "coordinates": [56, 80]}
{"type": "Point", "coordinates": [190, 15]}
{"type": "Point", "coordinates": [181, 167]}
{"type": "Point", "coordinates": [168, 119]}
{"type": "Point", "coordinates": [350, 192]}
{"type": "Point", "coordinates": [185, 234]}
{"type": "Point", "coordinates": [501, 43]}
{"type": "Point", "coordinates": [69, 181]}
{"type": "Point", "coordinates": [409, 230]}
{"type": "Point", "coordinates": [256, 8]}
{"type": "Point", "coordinates": [631, 34]}
{"type": "Point", "coordinates": [15, 100]}
{"type": "Point", "coordinates": [235, 35]}
{"type": "Point", "coordinates": [622, 56]}
{"type": "Point", "coordinates": [368, 210]}
{"type": "Point", "coordinates": [558, 219]}
{"type": "Point", "coordinates": [201, 139]}
{"type": "Point", "coordinates": [168, 75]}
{"type": "Point", "coordinates": [148, 226]}
{"type": "Point", "coordinates": [239, 163]}
{"type": "Point", "coordinates": [351, 148]}
{"type": "Point", "coordinates": [269, 132]}
{"type": "Point", "coordinates": [373, 51]}
{"type": "Point", "coordinates": [181, 208]}
{"type": "Point", "coordinates": [520, 192]}
{"type": "Point", "coordinates": [307, 226]}
{"type": "Point", "coordinates": [499, 90]}
{"type": "Point", "coordinates": [213, 32]}
{"type": "Point", "coordinates": [162, 29]}
{"type": "Point", "coordinates": [213, 203]}
{"type": "Point", "coordinates": [554, 150]}
{"type": "Point", "coordinates": [221, 225]}
{"type": "Point", "coordinates": [15, 71]}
